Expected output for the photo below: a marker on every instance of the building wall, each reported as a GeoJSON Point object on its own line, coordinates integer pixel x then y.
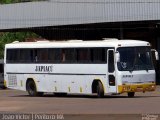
{"type": "Point", "coordinates": [69, 12]}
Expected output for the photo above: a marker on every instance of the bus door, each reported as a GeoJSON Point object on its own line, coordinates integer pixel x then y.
{"type": "Point", "coordinates": [111, 71]}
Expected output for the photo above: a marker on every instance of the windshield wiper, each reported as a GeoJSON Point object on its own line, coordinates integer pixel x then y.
{"type": "Point", "coordinates": [134, 64]}
{"type": "Point", "coordinates": [131, 70]}
{"type": "Point", "coordinates": [146, 68]}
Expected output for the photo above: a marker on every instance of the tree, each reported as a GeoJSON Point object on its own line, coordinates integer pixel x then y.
{"type": "Point", "coordinates": [9, 37]}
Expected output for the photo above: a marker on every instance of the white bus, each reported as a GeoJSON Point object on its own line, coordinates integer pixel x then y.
{"type": "Point", "coordinates": [82, 67]}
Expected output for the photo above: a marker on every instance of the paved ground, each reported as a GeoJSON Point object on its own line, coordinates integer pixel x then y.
{"type": "Point", "coordinates": [78, 106]}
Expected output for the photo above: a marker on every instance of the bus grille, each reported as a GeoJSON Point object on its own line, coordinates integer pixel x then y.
{"type": "Point", "coordinates": [12, 80]}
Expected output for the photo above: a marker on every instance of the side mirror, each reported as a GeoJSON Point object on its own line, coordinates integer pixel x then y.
{"type": "Point", "coordinates": [155, 54]}
{"type": "Point", "coordinates": [117, 57]}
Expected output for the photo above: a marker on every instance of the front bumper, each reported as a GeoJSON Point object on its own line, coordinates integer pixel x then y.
{"type": "Point", "coordinates": [136, 87]}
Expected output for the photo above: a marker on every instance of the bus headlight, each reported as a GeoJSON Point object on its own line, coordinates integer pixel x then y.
{"type": "Point", "coordinates": [153, 86]}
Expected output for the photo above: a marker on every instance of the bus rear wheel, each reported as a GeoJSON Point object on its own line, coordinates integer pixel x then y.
{"type": "Point", "coordinates": [32, 90]}
{"type": "Point", "coordinates": [100, 90]}
{"type": "Point", "coordinates": [131, 94]}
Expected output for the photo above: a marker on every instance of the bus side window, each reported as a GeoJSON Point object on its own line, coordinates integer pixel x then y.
{"type": "Point", "coordinates": [31, 56]}
{"type": "Point", "coordinates": [68, 55]}
{"type": "Point", "coordinates": [12, 55]}
{"type": "Point", "coordinates": [42, 55]}
{"type": "Point", "coordinates": [35, 58]}
{"type": "Point", "coordinates": [98, 55]}
{"type": "Point", "coordinates": [83, 55]}
{"type": "Point", "coordinates": [25, 56]}
{"type": "Point", "coordinates": [50, 55]}
{"type": "Point", "coordinates": [54, 55]}
{"type": "Point", "coordinates": [63, 57]}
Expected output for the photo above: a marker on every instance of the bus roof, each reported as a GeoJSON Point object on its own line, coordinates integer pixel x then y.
{"type": "Point", "coordinates": [78, 43]}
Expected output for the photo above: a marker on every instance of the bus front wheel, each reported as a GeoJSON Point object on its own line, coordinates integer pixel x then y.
{"type": "Point", "coordinates": [3, 87]}
{"type": "Point", "coordinates": [32, 90]}
{"type": "Point", "coordinates": [100, 90]}
{"type": "Point", "coordinates": [131, 94]}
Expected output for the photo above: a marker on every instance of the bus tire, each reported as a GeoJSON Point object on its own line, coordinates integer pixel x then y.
{"type": "Point", "coordinates": [40, 94]}
{"type": "Point", "coordinates": [60, 94]}
{"type": "Point", "coordinates": [100, 90]}
{"type": "Point", "coordinates": [131, 94]}
{"type": "Point", "coordinates": [32, 90]}
{"type": "Point", "coordinates": [3, 87]}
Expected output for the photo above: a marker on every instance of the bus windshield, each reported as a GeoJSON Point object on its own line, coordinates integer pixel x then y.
{"type": "Point", "coordinates": [135, 58]}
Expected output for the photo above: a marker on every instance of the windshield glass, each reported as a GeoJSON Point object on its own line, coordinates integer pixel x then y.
{"type": "Point", "coordinates": [135, 58]}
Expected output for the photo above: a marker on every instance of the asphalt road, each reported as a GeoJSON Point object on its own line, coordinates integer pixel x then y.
{"type": "Point", "coordinates": [83, 107]}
